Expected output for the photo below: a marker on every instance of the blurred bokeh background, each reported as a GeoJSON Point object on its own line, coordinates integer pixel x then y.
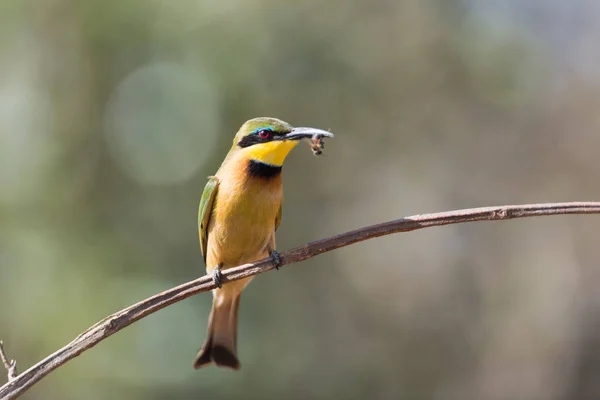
{"type": "Point", "coordinates": [112, 114]}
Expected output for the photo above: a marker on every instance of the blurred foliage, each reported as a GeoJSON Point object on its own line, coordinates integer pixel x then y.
{"type": "Point", "coordinates": [112, 114]}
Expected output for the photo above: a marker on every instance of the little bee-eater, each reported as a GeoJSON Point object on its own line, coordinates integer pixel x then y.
{"type": "Point", "coordinates": [239, 212]}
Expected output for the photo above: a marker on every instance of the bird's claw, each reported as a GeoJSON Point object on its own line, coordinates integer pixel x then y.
{"type": "Point", "coordinates": [276, 259]}
{"type": "Point", "coordinates": [217, 277]}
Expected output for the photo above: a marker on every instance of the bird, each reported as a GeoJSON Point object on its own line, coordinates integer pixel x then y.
{"type": "Point", "coordinates": [239, 212]}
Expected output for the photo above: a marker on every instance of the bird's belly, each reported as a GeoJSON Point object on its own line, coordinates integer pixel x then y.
{"type": "Point", "coordinates": [241, 241]}
{"type": "Point", "coordinates": [242, 232]}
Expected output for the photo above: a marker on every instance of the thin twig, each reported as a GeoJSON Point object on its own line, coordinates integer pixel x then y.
{"type": "Point", "coordinates": [115, 322]}
{"type": "Point", "coordinates": [11, 366]}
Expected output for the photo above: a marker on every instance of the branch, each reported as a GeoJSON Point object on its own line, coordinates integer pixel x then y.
{"type": "Point", "coordinates": [115, 322]}
{"type": "Point", "coordinates": [11, 366]}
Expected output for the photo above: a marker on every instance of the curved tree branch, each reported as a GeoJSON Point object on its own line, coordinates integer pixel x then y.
{"type": "Point", "coordinates": [129, 315]}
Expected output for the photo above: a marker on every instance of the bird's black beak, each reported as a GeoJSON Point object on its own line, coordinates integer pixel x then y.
{"type": "Point", "coordinates": [306, 133]}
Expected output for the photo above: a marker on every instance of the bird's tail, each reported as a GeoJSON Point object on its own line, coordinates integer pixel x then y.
{"type": "Point", "coordinates": [220, 345]}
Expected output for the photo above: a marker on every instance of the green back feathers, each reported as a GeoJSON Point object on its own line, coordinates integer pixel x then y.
{"type": "Point", "coordinates": [205, 211]}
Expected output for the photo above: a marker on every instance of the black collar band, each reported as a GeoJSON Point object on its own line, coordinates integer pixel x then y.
{"type": "Point", "coordinates": [257, 169]}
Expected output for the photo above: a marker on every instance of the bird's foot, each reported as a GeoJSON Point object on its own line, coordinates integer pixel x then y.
{"type": "Point", "coordinates": [276, 259]}
{"type": "Point", "coordinates": [217, 277]}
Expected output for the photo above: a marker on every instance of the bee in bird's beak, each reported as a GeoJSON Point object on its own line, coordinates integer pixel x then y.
{"type": "Point", "coordinates": [315, 137]}
{"type": "Point", "coordinates": [317, 144]}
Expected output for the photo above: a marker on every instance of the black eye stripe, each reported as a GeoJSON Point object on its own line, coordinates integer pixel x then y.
{"type": "Point", "coordinates": [249, 140]}
{"type": "Point", "coordinates": [254, 137]}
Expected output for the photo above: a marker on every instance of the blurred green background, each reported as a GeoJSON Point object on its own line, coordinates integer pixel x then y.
{"type": "Point", "coordinates": [112, 114]}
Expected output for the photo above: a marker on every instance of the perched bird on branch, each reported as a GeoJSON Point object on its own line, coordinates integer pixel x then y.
{"type": "Point", "coordinates": [239, 212]}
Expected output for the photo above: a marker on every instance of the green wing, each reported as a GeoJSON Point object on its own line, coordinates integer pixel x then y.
{"type": "Point", "coordinates": [278, 217]}
{"type": "Point", "coordinates": [205, 211]}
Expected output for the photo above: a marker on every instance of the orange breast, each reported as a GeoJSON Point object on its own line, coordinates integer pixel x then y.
{"type": "Point", "coordinates": [243, 221]}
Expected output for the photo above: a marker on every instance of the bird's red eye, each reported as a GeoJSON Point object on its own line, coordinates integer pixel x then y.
{"type": "Point", "coordinates": [264, 134]}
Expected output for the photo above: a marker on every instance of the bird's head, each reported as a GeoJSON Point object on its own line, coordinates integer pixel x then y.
{"type": "Point", "coordinates": [269, 140]}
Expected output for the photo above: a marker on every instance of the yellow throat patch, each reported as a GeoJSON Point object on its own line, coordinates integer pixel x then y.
{"type": "Point", "coordinates": [272, 153]}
